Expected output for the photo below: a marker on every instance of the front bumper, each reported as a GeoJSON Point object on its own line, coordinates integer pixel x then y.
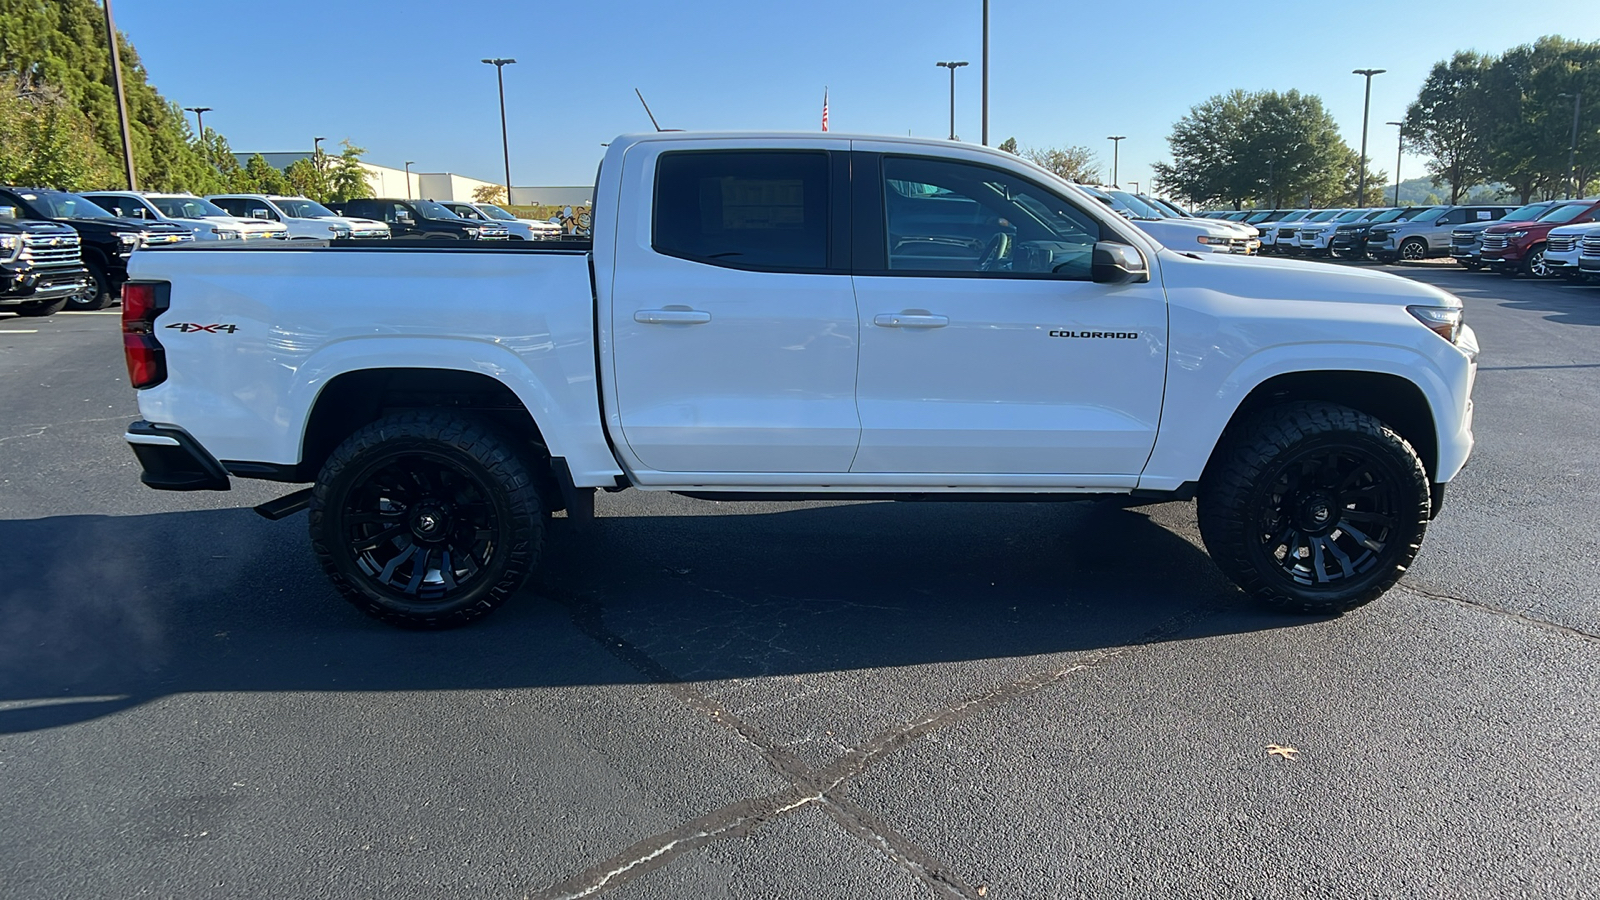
{"type": "Point", "coordinates": [173, 460]}
{"type": "Point", "coordinates": [41, 285]}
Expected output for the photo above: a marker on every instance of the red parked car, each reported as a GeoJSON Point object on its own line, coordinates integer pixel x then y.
{"type": "Point", "coordinates": [1512, 247]}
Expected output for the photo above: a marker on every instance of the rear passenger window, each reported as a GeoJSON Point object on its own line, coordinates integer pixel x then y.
{"type": "Point", "coordinates": [745, 209]}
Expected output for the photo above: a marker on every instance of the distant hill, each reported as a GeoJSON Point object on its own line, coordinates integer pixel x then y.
{"type": "Point", "coordinates": [1421, 192]}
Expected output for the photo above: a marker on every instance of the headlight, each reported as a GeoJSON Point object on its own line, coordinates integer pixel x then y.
{"type": "Point", "coordinates": [10, 247]}
{"type": "Point", "coordinates": [1214, 240]}
{"type": "Point", "coordinates": [224, 234]}
{"type": "Point", "coordinates": [1516, 234]}
{"type": "Point", "coordinates": [1445, 321]}
{"type": "Point", "coordinates": [128, 241]}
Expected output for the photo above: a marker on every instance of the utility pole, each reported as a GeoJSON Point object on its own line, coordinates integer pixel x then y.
{"type": "Point", "coordinates": [408, 180]}
{"type": "Point", "coordinates": [952, 66]}
{"type": "Point", "coordinates": [1361, 180]}
{"type": "Point", "coordinates": [1116, 145]}
{"type": "Point", "coordinates": [1400, 148]}
{"type": "Point", "coordinates": [986, 73]}
{"type": "Point", "coordinates": [122, 99]}
{"type": "Point", "coordinates": [505, 144]}
{"type": "Point", "coordinates": [1572, 149]}
{"type": "Point", "coordinates": [200, 128]}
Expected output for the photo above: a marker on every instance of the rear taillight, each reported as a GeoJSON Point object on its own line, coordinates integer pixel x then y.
{"type": "Point", "coordinates": [142, 302]}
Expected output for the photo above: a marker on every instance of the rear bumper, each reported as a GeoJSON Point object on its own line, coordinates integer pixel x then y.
{"type": "Point", "coordinates": [173, 460]}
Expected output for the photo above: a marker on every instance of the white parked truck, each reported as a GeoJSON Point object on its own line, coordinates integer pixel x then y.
{"type": "Point", "coordinates": [208, 221]}
{"type": "Point", "coordinates": [808, 317]}
{"type": "Point", "coordinates": [306, 219]}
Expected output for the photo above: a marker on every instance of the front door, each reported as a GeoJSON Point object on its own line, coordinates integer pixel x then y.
{"type": "Point", "coordinates": [985, 348]}
{"type": "Point", "coordinates": [733, 323]}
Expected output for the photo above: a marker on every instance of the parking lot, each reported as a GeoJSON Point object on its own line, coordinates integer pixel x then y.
{"type": "Point", "coordinates": [1009, 700]}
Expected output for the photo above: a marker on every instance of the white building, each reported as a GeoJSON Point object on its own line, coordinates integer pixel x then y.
{"type": "Point", "coordinates": [391, 182]}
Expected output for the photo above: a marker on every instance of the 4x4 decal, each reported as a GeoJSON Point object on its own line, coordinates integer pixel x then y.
{"type": "Point", "coordinates": [187, 327]}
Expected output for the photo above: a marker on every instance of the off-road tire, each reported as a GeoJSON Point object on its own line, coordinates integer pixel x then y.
{"type": "Point", "coordinates": [41, 309]}
{"type": "Point", "coordinates": [493, 494]}
{"type": "Point", "coordinates": [1242, 518]}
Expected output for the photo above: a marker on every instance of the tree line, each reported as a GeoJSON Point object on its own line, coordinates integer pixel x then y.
{"type": "Point", "coordinates": [59, 125]}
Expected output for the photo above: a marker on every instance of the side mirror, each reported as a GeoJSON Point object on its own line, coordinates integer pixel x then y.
{"type": "Point", "coordinates": [403, 215]}
{"type": "Point", "coordinates": [1113, 263]}
{"type": "Point", "coordinates": [8, 212]}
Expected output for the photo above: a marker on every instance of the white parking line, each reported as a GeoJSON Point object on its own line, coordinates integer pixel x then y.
{"type": "Point", "coordinates": [19, 331]}
{"type": "Point", "coordinates": [91, 312]}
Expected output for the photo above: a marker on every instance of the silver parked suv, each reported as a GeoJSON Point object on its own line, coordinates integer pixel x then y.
{"type": "Point", "coordinates": [1427, 233]}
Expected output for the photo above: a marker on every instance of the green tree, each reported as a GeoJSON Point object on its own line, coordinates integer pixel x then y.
{"type": "Point", "coordinates": [1528, 96]}
{"type": "Point", "coordinates": [345, 176]}
{"type": "Point", "coordinates": [1009, 145]}
{"type": "Point", "coordinates": [307, 180]}
{"type": "Point", "coordinates": [1071, 163]}
{"type": "Point", "coordinates": [259, 177]}
{"type": "Point", "coordinates": [490, 193]}
{"type": "Point", "coordinates": [1451, 120]}
{"type": "Point", "coordinates": [45, 141]}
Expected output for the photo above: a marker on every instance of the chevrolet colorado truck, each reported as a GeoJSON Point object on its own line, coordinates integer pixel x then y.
{"type": "Point", "coordinates": [802, 317]}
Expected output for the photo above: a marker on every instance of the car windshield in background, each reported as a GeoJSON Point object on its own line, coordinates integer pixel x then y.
{"type": "Point", "coordinates": [1528, 213]}
{"type": "Point", "coordinates": [1565, 213]}
{"type": "Point", "coordinates": [186, 207]}
{"type": "Point", "coordinates": [1432, 212]}
{"type": "Point", "coordinates": [60, 205]}
{"type": "Point", "coordinates": [433, 210]}
{"type": "Point", "coordinates": [1258, 217]}
{"type": "Point", "coordinates": [1351, 216]}
{"type": "Point", "coordinates": [1323, 216]}
{"type": "Point", "coordinates": [1389, 216]}
{"type": "Point", "coordinates": [1137, 206]}
{"type": "Point", "coordinates": [304, 209]}
{"type": "Point", "coordinates": [495, 212]}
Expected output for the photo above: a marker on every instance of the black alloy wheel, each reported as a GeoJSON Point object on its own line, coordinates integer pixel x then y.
{"type": "Point", "coordinates": [1315, 508]}
{"type": "Point", "coordinates": [1413, 249]}
{"type": "Point", "coordinates": [426, 519]}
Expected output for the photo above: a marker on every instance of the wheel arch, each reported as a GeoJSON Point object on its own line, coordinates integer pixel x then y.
{"type": "Point", "coordinates": [1396, 401]}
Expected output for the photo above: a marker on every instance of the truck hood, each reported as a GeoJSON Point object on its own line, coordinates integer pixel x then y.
{"type": "Point", "coordinates": [1503, 227]}
{"type": "Point", "coordinates": [1271, 278]}
{"type": "Point", "coordinates": [1581, 229]}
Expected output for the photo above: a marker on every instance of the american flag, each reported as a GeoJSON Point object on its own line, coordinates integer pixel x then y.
{"type": "Point", "coordinates": [824, 109]}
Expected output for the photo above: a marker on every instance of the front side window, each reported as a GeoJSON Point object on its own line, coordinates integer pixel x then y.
{"type": "Point", "coordinates": [763, 209]}
{"type": "Point", "coordinates": [948, 217]}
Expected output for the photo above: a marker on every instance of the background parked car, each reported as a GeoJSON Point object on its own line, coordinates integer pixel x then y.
{"type": "Point", "coordinates": [422, 219]}
{"type": "Point", "coordinates": [41, 265]}
{"type": "Point", "coordinates": [1314, 240]}
{"type": "Point", "coordinates": [305, 218]}
{"type": "Point", "coordinates": [1349, 240]}
{"type": "Point", "coordinates": [550, 231]}
{"type": "Point", "coordinates": [1513, 247]}
{"type": "Point", "coordinates": [517, 230]}
{"type": "Point", "coordinates": [1466, 241]}
{"type": "Point", "coordinates": [1563, 248]}
{"type": "Point", "coordinates": [206, 220]}
{"type": "Point", "coordinates": [1427, 233]}
{"type": "Point", "coordinates": [106, 240]}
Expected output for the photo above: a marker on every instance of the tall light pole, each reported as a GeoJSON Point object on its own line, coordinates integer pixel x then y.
{"type": "Point", "coordinates": [200, 128]}
{"type": "Point", "coordinates": [1572, 149]}
{"type": "Point", "coordinates": [1400, 148]}
{"type": "Point", "coordinates": [1361, 180]}
{"type": "Point", "coordinates": [122, 99]}
{"type": "Point", "coordinates": [505, 144]}
{"type": "Point", "coordinates": [408, 178]}
{"type": "Point", "coordinates": [952, 66]}
{"type": "Point", "coordinates": [986, 73]}
{"type": "Point", "coordinates": [1116, 145]}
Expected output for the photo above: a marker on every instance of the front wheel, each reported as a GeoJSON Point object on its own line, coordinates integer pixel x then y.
{"type": "Point", "coordinates": [1534, 264]}
{"type": "Point", "coordinates": [1413, 249]}
{"type": "Point", "coordinates": [426, 519]}
{"type": "Point", "coordinates": [42, 308]}
{"type": "Point", "coordinates": [100, 293]}
{"type": "Point", "coordinates": [1314, 508]}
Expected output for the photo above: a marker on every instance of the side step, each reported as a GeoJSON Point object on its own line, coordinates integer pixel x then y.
{"type": "Point", "coordinates": [285, 506]}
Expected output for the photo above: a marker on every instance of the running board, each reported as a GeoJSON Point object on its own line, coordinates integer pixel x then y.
{"type": "Point", "coordinates": [285, 506]}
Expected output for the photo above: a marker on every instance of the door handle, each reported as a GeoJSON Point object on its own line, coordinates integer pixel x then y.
{"type": "Point", "coordinates": [682, 316]}
{"type": "Point", "coordinates": [910, 320]}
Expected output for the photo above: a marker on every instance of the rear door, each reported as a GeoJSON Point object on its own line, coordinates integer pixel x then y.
{"type": "Point", "coordinates": [985, 347]}
{"type": "Point", "coordinates": [733, 320]}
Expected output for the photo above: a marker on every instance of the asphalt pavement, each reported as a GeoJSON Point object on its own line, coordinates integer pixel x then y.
{"type": "Point", "coordinates": [698, 699]}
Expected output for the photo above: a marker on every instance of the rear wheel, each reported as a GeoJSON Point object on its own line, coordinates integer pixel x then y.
{"type": "Point", "coordinates": [1315, 508]}
{"type": "Point", "coordinates": [426, 519]}
{"type": "Point", "coordinates": [42, 308]}
{"type": "Point", "coordinates": [99, 294]}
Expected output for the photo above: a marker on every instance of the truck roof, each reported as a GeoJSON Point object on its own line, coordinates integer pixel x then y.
{"type": "Point", "coordinates": [627, 140]}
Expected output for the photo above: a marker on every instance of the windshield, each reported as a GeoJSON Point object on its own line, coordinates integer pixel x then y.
{"type": "Point", "coordinates": [1164, 205]}
{"type": "Point", "coordinates": [1432, 212]}
{"type": "Point", "coordinates": [300, 208]}
{"type": "Point", "coordinates": [1138, 207]}
{"type": "Point", "coordinates": [1350, 216]}
{"type": "Point", "coordinates": [495, 212]}
{"type": "Point", "coordinates": [1323, 216]}
{"type": "Point", "coordinates": [433, 210]}
{"type": "Point", "coordinates": [186, 207]}
{"type": "Point", "coordinates": [1258, 217]}
{"type": "Point", "coordinates": [1529, 213]}
{"type": "Point", "coordinates": [1565, 213]}
{"type": "Point", "coordinates": [1389, 216]}
{"type": "Point", "coordinates": [61, 205]}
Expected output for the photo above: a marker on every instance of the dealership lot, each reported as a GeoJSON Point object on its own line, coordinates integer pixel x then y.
{"type": "Point", "coordinates": [801, 699]}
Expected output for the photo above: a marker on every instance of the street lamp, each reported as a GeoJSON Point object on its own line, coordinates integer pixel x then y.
{"type": "Point", "coordinates": [1116, 145]}
{"type": "Point", "coordinates": [1400, 148]}
{"type": "Point", "coordinates": [1572, 149]}
{"type": "Point", "coordinates": [1135, 186]}
{"type": "Point", "coordinates": [1361, 180]}
{"type": "Point", "coordinates": [316, 158]}
{"type": "Point", "coordinates": [200, 128]}
{"type": "Point", "coordinates": [408, 178]}
{"type": "Point", "coordinates": [952, 66]}
{"type": "Point", "coordinates": [505, 145]}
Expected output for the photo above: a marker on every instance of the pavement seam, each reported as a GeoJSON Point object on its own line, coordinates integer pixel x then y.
{"type": "Point", "coordinates": [808, 785]}
{"type": "Point", "coordinates": [1524, 618]}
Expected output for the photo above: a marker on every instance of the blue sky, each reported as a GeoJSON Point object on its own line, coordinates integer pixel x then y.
{"type": "Point", "coordinates": [402, 78]}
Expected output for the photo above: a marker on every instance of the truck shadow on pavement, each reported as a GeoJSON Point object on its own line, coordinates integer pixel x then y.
{"type": "Point", "coordinates": [100, 614]}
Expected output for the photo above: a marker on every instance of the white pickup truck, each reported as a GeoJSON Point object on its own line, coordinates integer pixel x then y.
{"type": "Point", "coordinates": [809, 317]}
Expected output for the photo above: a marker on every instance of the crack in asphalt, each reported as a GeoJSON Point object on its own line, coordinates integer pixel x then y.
{"type": "Point", "coordinates": [1524, 618]}
{"type": "Point", "coordinates": [824, 786]}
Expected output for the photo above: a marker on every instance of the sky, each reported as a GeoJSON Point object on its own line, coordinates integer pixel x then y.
{"type": "Point", "coordinates": [402, 78]}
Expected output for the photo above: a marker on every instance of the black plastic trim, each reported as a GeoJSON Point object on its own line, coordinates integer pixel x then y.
{"type": "Point", "coordinates": [289, 474]}
{"type": "Point", "coordinates": [908, 497]}
{"type": "Point", "coordinates": [186, 467]}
